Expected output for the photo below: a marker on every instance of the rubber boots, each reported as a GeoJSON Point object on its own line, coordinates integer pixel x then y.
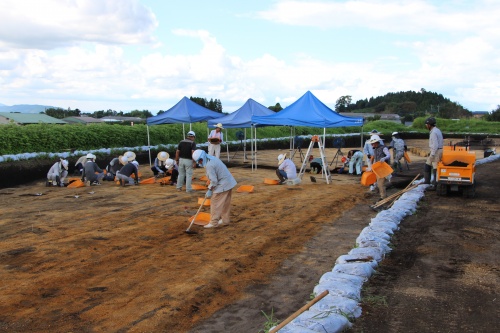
{"type": "Point", "coordinates": [58, 180]}
{"type": "Point", "coordinates": [427, 174]}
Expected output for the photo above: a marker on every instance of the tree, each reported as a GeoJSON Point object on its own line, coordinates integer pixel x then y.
{"type": "Point", "coordinates": [343, 103]}
{"type": "Point", "coordinates": [275, 108]}
{"type": "Point", "coordinates": [60, 113]}
{"type": "Point", "coordinates": [494, 115]}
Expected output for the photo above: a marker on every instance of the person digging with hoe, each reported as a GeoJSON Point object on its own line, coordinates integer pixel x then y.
{"type": "Point", "coordinates": [219, 189]}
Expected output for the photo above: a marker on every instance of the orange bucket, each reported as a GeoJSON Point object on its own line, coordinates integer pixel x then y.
{"type": "Point", "coordinates": [201, 219]}
{"type": "Point", "coordinates": [270, 181]}
{"type": "Point", "coordinates": [207, 201]}
{"type": "Point", "coordinates": [245, 188]}
{"type": "Point", "coordinates": [198, 187]}
{"type": "Point", "coordinates": [407, 158]}
{"type": "Point", "coordinates": [204, 178]}
{"type": "Point", "coordinates": [381, 169]}
{"type": "Point", "coordinates": [368, 178]}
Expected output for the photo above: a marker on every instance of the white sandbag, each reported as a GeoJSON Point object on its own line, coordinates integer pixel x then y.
{"type": "Point", "coordinates": [294, 329]}
{"type": "Point", "coordinates": [338, 304]}
{"type": "Point", "coordinates": [349, 258]}
{"type": "Point", "coordinates": [387, 225]}
{"type": "Point", "coordinates": [368, 232]}
{"type": "Point", "coordinates": [339, 288]}
{"type": "Point", "coordinates": [368, 252]}
{"type": "Point", "coordinates": [365, 239]}
{"type": "Point", "coordinates": [381, 228]}
{"type": "Point", "coordinates": [364, 270]}
{"type": "Point", "coordinates": [321, 322]}
{"type": "Point", "coordinates": [332, 276]}
{"type": "Point", "coordinates": [384, 247]}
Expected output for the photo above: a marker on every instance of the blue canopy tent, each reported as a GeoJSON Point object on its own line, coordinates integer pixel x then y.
{"type": "Point", "coordinates": [185, 111]}
{"type": "Point", "coordinates": [308, 111]}
{"type": "Point", "coordinates": [242, 117]}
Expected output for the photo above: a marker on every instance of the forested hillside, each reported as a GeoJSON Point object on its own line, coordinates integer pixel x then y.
{"type": "Point", "coordinates": [407, 104]}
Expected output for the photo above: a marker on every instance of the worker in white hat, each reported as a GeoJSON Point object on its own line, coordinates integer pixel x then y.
{"type": "Point", "coordinates": [57, 173]}
{"type": "Point", "coordinates": [286, 169]}
{"type": "Point", "coordinates": [92, 173]}
{"type": "Point", "coordinates": [172, 171]}
{"type": "Point", "coordinates": [215, 138]}
{"type": "Point", "coordinates": [220, 188]}
{"type": "Point", "coordinates": [184, 159]}
{"type": "Point", "coordinates": [129, 167]}
{"type": "Point", "coordinates": [380, 154]}
{"type": "Point", "coordinates": [398, 146]}
{"type": "Point", "coordinates": [159, 169]}
{"type": "Point", "coordinates": [368, 149]}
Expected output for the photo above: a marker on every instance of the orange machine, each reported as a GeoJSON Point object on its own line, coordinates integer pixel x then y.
{"type": "Point", "coordinates": [456, 171]}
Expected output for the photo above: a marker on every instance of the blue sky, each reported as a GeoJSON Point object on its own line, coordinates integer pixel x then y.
{"type": "Point", "coordinates": [148, 54]}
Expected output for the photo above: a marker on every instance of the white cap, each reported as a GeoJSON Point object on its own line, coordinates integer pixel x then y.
{"type": "Point", "coordinates": [191, 133]}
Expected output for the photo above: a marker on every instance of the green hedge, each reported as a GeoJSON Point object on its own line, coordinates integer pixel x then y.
{"type": "Point", "coordinates": [58, 138]}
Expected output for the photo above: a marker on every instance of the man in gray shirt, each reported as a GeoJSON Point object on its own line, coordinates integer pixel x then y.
{"type": "Point", "coordinates": [436, 153]}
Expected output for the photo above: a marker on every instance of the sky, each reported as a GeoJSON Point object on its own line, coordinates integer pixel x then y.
{"type": "Point", "coordinates": [128, 55]}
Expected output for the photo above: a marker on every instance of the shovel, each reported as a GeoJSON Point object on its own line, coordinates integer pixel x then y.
{"type": "Point", "coordinates": [188, 230]}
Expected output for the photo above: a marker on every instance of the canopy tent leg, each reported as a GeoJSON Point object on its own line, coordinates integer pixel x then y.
{"type": "Point", "coordinates": [149, 146]}
{"type": "Point", "coordinates": [227, 147]}
{"type": "Point", "coordinates": [245, 147]}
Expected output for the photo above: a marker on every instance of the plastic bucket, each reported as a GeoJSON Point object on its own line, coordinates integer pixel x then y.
{"type": "Point", "coordinates": [381, 169]}
{"type": "Point", "coordinates": [407, 158]}
{"type": "Point", "coordinates": [207, 201]}
{"type": "Point", "coordinates": [245, 188]}
{"type": "Point", "coordinates": [270, 181]}
{"type": "Point", "coordinates": [201, 219]}
{"type": "Point", "coordinates": [368, 178]}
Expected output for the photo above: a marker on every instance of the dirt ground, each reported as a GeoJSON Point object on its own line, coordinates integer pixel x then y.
{"type": "Point", "coordinates": [113, 259]}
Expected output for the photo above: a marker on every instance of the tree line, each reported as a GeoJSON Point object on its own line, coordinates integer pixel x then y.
{"type": "Point", "coordinates": [407, 104]}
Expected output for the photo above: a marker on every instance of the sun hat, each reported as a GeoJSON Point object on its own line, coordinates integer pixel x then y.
{"type": "Point", "coordinates": [281, 158]}
{"type": "Point", "coordinates": [219, 125]}
{"type": "Point", "coordinates": [394, 133]}
{"type": "Point", "coordinates": [169, 164]}
{"type": "Point", "coordinates": [64, 163]}
{"type": "Point", "coordinates": [374, 140]}
{"type": "Point", "coordinates": [163, 156]}
{"type": "Point", "coordinates": [130, 155]}
{"type": "Point", "coordinates": [123, 159]}
{"type": "Point", "coordinates": [191, 133]}
{"type": "Point", "coordinates": [90, 156]}
{"type": "Point", "coordinates": [374, 131]}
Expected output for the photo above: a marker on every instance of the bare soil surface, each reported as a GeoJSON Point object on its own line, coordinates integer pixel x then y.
{"type": "Point", "coordinates": [117, 259]}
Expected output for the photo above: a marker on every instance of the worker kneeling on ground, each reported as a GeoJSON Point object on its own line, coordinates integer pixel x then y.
{"type": "Point", "coordinates": [219, 189]}
{"type": "Point", "coordinates": [316, 164]}
{"type": "Point", "coordinates": [355, 161]}
{"type": "Point", "coordinates": [57, 173]}
{"type": "Point", "coordinates": [130, 167]}
{"type": "Point", "coordinates": [286, 169]}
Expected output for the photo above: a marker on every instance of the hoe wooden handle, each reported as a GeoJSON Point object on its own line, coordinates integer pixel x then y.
{"type": "Point", "coordinates": [299, 311]}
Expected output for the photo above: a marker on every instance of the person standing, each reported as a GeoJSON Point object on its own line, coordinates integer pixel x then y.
{"type": "Point", "coordinates": [184, 159]}
{"type": "Point", "coordinates": [92, 174]}
{"type": "Point", "coordinates": [436, 152]}
{"type": "Point", "coordinates": [220, 188]}
{"type": "Point", "coordinates": [215, 138]}
{"type": "Point", "coordinates": [380, 154]}
{"type": "Point", "coordinates": [398, 146]}
{"type": "Point", "coordinates": [57, 173]}
{"type": "Point", "coordinates": [286, 169]}
{"type": "Point", "coordinates": [368, 149]}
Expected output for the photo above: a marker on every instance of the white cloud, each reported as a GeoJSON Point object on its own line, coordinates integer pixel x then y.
{"type": "Point", "coordinates": [48, 24]}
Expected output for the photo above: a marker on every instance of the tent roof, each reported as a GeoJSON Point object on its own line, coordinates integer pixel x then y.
{"type": "Point", "coordinates": [308, 111]}
{"type": "Point", "coordinates": [242, 117]}
{"type": "Point", "coordinates": [185, 111]}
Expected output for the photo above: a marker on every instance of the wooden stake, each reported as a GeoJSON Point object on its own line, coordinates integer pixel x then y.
{"type": "Point", "coordinates": [299, 311]}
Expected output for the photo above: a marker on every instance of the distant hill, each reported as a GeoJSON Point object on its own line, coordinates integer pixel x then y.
{"type": "Point", "coordinates": [24, 108]}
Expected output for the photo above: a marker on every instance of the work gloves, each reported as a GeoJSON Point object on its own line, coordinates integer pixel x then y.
{"type": "Point", "coordinates": [209, 194]}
